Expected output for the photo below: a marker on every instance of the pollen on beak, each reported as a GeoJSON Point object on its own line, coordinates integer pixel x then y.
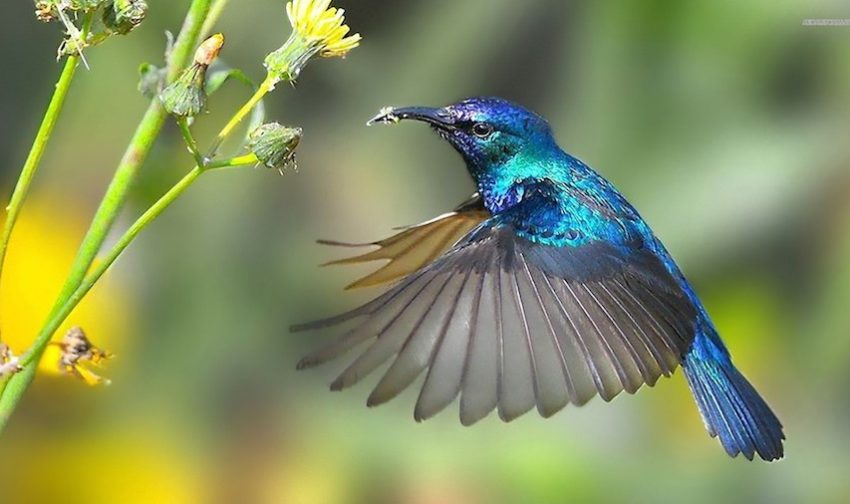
{"type": "Point", "coordinates": [438, 117]}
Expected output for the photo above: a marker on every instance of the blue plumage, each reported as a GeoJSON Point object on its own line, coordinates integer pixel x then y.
{"type": "Point", "coordinates": [561, 292]}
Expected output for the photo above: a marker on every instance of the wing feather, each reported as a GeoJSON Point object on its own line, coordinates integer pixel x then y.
{"type": "Point", "coordinates": [552, 386]}
{"type": "Point", "coordinates": [645, 354]}
{"type": "Point", "coordinates": [509, 324]}
{"type": "Point", "coordinates": [414, 247]}
{"type": "Point", "coordinates": [516, 395]}
{"type": "Point", "coordinates": [444, 378]}
{"type": "Point", "coordinates": [418, 349]}
{"type": "Point", "coordinates": [634, 369]}
{"type": "Point", "coordinates": [391, 340]}
{"type": "Point", "coordinates": [482, 371]}
{"type": "Point", "coordinates": [381, 315]}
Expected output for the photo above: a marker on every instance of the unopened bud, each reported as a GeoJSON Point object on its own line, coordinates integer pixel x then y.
{"type": "Point", "coordinates": [187, 96]}
{"type": "Point", "coordinates": [123, 16]}
{"type": "Point", "coordinates": [274, 145]}
{"type": "Point", "coordinates": [208, 50]}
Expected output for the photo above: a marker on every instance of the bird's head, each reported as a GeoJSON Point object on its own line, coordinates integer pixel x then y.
{"type": "Point", "coordinates": [487, 132]}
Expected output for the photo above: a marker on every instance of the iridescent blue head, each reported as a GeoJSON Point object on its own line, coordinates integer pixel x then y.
{"type": "Point", "coordinates": [487, 132]}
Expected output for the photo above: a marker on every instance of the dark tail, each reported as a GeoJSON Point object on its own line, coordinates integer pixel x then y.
{"type": "Point", "coordinates": [731, 408]}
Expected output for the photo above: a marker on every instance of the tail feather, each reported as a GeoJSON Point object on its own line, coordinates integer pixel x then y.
{"type": "Point", "coordinates": [732, 409]}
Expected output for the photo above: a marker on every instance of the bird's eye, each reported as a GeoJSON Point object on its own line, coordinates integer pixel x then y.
{"type": "Point", "coordinates": [482, 129]}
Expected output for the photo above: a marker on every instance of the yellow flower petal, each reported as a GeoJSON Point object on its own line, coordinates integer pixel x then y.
{"type": "Point", "coordinates": [323, 25]}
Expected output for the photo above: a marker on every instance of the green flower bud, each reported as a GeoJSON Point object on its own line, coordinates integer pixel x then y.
{"type": "Point", "coordinates": [187, 96]}
{"type": "Point", "coordinates": [274, 145]}
{"type": "Point", "coordinates": [123, 16]}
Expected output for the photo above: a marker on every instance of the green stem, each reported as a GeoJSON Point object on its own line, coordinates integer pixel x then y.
{"type": "Point", "coordinates": [29, 360]}
{"type": "Point", "coordinates": [267, 85]}
{"type": "Point", "coordinates": [183, 123]}
{"type": "Point", "coordinates": [113, 201]}
{"type": "Point", "coordinates": [212, 18]}
{"type": "Point", "coordinates": [141, 223]}
{"type": "Point", "coordinates": [44, 336]}
{"type": "Point", "coordinates": [48, 123]}
{"type": "Point", "coordinates": [234, 162]}
{"type": "Point", "coordinates": [32, 355]}
{"type": "Point", "coordinates": [18, 384]}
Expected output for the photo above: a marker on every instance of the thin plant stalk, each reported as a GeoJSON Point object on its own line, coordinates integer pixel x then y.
{"type": "Point", "coordinates": [264, 89]}
{"type": "Point", "coordinates": [39, 145]}
{"type": "Point", "coordinates": [215, 11]}
{"type": "Point", "coordinates": [33, 354]}
{"type": "Point", "coordinates": [123, 242]}
{"type": "Point", "coordinates": [189, 138]}
{"type": "Point", "coordinates": [114, 199]}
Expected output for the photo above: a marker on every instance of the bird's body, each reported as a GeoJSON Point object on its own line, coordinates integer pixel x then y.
{"type": "Point", "coordinates": [561, 291]}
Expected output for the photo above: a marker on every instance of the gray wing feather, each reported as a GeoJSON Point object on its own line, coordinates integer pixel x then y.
{"type": "Point", "coordinates": [483, 366]}
{"type": "Point", "coordinates": [508, 324]}
{"type": "Point", "coordinates": [516, 395]}
{"type": "Point", "coordinates": [418, 349]}
{"type": "Point", "coordinates": [551, 384]}
{"type": "Point", "coordinates": [443, 382]}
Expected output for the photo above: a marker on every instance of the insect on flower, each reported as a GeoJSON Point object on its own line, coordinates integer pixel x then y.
{"type": "Point", "coordinates": [77, 350]}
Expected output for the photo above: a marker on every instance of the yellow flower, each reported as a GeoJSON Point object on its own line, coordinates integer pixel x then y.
{"type": "Point", "coordinates": [322, 25]}
{"type": "Point", "coordinates": [317, 29]}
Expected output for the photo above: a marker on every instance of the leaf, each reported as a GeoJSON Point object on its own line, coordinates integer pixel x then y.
{"type": "Point", "coordinates": [219, 74]}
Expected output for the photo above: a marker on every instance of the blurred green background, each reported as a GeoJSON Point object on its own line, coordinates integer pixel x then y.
{"type": "Point", "coordinates": [725, 123]}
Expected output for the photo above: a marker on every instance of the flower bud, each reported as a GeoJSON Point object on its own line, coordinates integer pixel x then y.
{"type": "Point", "coordinates": [187, 96]}
{"type": "Point", "coordinates": [209, 49]}
{"type": "Point", "coordinates": [123, 16]}
{"type": "Point", "coordinates": [274, 145]}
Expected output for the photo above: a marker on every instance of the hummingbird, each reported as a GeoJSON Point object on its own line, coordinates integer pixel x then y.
{"type": "Point", "coordinates": [545, 288]}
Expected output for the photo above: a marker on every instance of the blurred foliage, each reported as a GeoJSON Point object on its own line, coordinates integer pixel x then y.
{"type": "Point", "coordinates": [724, 122]}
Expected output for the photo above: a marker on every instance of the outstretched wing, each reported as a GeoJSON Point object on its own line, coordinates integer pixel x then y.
{"type": "Point", "coordinates": [415, 246]}
{"type": "Point", "coordinates": [510, 324]}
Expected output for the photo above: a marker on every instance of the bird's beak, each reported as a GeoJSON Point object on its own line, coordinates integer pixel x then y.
{"type": "Point", "coordinates": [437, 117]}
